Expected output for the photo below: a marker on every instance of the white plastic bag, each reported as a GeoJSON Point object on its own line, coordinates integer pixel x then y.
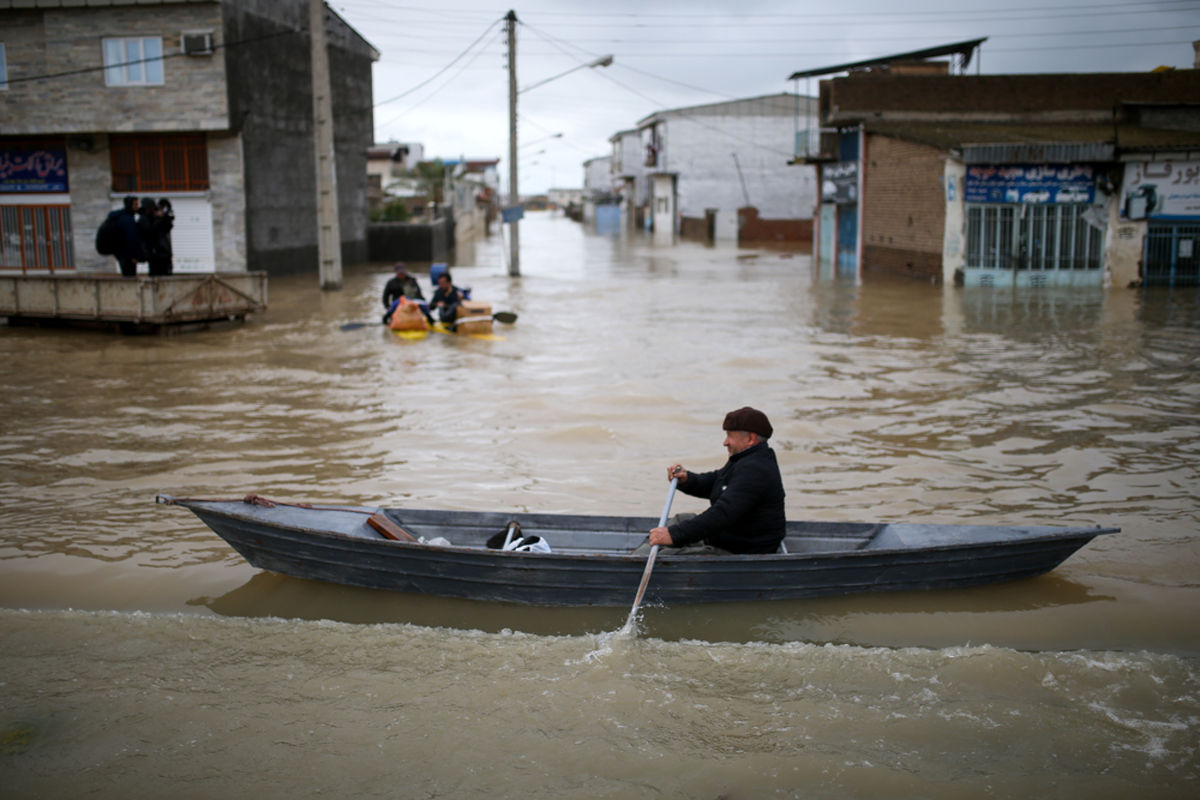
{"type": "Point", "coordinates": [529, 544]}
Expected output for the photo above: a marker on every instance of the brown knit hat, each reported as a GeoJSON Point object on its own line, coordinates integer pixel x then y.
{"type": "Point", "coordinates": [748, 419]}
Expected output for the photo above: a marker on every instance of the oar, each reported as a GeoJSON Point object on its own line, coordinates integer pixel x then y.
{"type": "Point", "coordinates": [637, 600]}
{"type": "Point", "coordinates": [507, 317]}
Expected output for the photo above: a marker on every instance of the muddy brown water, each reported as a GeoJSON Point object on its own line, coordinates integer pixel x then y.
{"type": "Point", "coordinates": [141, 655]}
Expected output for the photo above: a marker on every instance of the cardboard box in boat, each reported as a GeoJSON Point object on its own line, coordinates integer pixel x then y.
{"type": "Point", "coordinates": [474, 316]}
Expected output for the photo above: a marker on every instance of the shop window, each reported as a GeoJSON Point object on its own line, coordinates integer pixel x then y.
{"type": "Point", "coordinates": [36, 238]}
{"type": "Point", "coordinates": [133, 61]}
{"type": "Point", "coordinates": [167, 163]}
{"type": "Point", "coordinates": [1033, 237]}
{"type": "Point", "coordinates": [1172, 254]}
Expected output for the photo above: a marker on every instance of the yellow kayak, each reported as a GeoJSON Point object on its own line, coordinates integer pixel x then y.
{"type": "Point", "coordinates": [440, 328]}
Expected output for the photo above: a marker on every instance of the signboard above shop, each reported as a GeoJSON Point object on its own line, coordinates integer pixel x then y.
{"type": "Point", "coordinates": [33, 170]}
{"type": "Point", "coordinates": [1030, 183]}
{"type": "Point", "coordinates": [839, 183]}
{"type": "Point", "coordinates": [1161, 190]}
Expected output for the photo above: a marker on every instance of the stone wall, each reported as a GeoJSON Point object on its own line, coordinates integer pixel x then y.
{"type": "Point", "coordinates": [251, 96]}
{"type": "Point", "coordinates": [69, 40]}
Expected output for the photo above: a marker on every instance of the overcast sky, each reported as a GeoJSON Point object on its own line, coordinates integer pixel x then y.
{"type": "Point", "coordinates": [442, 80]}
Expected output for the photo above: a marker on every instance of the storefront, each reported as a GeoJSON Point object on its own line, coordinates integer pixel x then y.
{"type": "Point", "coordinates": [1166, 195]}
{"type": "Point", "coordinates": [35, 206]}
{"type": "Point", "coordinates": [1032, 225]}
{"type": "Point", "coordinates": [841, 191]}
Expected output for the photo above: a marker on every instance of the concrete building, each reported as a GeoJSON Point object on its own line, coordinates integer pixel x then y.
{"type": "Point", "coordinates": [628, 170]}
{"type": "Point", "coordinates": [599, 193]}
{"type": "Point", "coordinates": [564, 198]}
{"type": "Point", "coordinates": [1013, 180]}
{"type": "Point", "coordinates": [205, 102]}
{"type": "Point", "coordinates": [388, 163]}
{"type": "Point", "coordinates": [717, 171]}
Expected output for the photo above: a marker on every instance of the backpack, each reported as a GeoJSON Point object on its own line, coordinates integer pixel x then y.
{"type": "Point", "coordinates": [108, 235]}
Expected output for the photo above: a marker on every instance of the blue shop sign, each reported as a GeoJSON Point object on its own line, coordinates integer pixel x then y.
{"type": "Point", "coordinates": [1030, 183]}
{"type": "Point", "coordinates": [512, 213]}
{"type": "Point", "coordinates": [29, 170]}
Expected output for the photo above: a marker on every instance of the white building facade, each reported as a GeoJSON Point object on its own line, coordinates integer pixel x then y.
{"type": "Point", "coordinates": [719, 171]}
{"type": "Point", "coordinates": [628, 168]}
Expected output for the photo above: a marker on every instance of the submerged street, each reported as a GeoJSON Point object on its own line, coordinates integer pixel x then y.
{"type": "Point", "coordinates": [141, 650]}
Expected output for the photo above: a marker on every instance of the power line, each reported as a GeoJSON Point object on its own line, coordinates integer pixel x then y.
{"type": "Point", "coordinates": [1021, 13]}
{"type": "Point", "coordinates": [445, 68]}
{"type": "Point", "coordinates": [103, 67]}
{"type": "Point", "coordinates": [430, 96]}
{"type": "Point", "coordinates": [1087, 8]}
{"type": "Point", "coordinates": [792, 40]}
{"type": "Point", "coordinates": [561, 46]}
{"type": "Point", "coordinates": [681, 114]}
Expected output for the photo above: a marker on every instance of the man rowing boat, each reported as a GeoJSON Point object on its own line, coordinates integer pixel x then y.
{"type": "Point", "coordinates": [746, 511]}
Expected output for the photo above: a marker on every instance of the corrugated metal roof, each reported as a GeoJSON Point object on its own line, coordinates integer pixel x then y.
{"type": "Point", "coordinates": [1027, 143]}
{"type": "Point", "coordinates": [770, 105]}
{"type": "Point", "coordinates": [1038, 153]}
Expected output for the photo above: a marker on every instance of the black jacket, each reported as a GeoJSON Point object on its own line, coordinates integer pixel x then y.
{"type": "Point", "coordinates": [130, 245]}
{"type": "Point", "coordinates": [747, 513]}
{"type": "Point", "coordinates": [401, 287]}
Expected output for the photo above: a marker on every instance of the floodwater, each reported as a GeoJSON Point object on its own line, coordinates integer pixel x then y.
{"type": "Point", "coordinates": [140, 656]}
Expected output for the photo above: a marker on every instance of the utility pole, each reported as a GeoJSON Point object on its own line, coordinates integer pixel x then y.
{"type": "Point", "coordinates": [514, 196]}
{"type": "Point", "coordinates": [329, 232]}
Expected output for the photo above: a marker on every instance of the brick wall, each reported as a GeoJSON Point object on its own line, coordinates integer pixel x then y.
{"type": "Point", "coordinates": [1078, 96]}
{"type": "Point", "coordinates": [904, 208]}
{"type": "Point", "coordinates": [753, 228]}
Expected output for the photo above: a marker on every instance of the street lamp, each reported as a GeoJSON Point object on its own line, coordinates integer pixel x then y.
{"type": "Point", "coordinates": [543, 139]}
{"type": "Point", "coordinates": [603, 61]}
{"type": "Point", "coordinates": [514, 196]}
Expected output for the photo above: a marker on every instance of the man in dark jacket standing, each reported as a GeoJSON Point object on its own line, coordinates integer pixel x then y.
{"type": "Point", "coordinates": [746, 514]}
{"type": "Point", "coordinates": [129, 246]}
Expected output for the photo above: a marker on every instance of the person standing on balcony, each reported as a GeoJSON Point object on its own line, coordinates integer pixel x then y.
{"type": "Point", "coordinates": [129, 250]}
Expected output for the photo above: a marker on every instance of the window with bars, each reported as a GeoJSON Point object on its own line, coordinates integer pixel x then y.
{"type": "Point", "coordinates": [167, 163]}
{"type": "Point", "coordinates": [1032, 237]}
{"type": "Point", "coordinates": [36, 238]}
{"type": "Point", "coordinates": [133, 62]}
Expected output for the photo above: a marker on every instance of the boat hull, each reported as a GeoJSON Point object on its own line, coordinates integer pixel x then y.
{"type": "Point", "coordinates": [591, 564]}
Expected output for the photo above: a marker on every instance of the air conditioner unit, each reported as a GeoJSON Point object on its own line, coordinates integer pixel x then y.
{"type": "Point", "coordinates": [197, 44]}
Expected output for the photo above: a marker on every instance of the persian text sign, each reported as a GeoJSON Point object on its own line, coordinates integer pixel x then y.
{"type": "Point", "coordinates": [1029, 183]}
{"type": "Point", "coordinates": [839, 182]}
{"type": "Point", "coordinates": [1158, 189]}
{"type": "Point", "coordinates": [41, 170]}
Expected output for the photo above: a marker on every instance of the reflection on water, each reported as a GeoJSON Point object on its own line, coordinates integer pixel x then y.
{"type": "Point", "coordinates": [813, 620]}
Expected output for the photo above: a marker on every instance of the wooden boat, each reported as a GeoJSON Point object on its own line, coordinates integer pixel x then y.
{"type": "Point", "coordinates": [591, 563]}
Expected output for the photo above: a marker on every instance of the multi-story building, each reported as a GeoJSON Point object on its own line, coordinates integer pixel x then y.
{"type": "Point", "coordinates": [208, 103]}
{"type": "Point", "coordinates": [628, 168]}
